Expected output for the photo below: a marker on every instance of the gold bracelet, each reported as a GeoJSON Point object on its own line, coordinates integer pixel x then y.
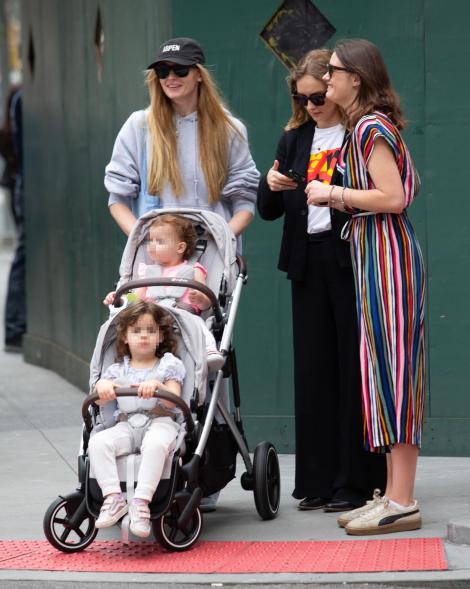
{"type": "Point", "coordinates": [343, 204]}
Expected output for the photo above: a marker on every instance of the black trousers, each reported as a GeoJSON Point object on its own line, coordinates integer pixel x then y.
{"type": "Point", "coordinates": [330, 459]}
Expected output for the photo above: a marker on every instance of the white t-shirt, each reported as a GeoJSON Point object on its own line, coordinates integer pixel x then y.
{"type": "Point", "coordinates": [326, 146]}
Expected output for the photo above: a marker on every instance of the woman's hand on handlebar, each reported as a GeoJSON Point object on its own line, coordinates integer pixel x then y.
{"type": "Point", "coordinates": [277, 181]}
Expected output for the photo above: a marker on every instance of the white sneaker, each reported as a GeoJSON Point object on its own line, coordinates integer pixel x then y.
{"type": "Point", "coordinates": [347, 517]}
{"type": "Point", "coordinates": [385, 519]}
{"type": "Point", "coordinates": [139, 514]}
{"type": "Point", "coordinates": [114, 507]}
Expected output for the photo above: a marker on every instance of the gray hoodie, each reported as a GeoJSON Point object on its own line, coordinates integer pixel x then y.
{"type": "Point", "coordinates": [126, 173]}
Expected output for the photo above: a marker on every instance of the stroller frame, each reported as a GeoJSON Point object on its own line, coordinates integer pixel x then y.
{"type": "Point", "coordinates": [262, 475]}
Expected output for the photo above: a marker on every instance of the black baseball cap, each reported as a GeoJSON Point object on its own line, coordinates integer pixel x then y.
{"type": "Point", "coordinates": [182, 50]}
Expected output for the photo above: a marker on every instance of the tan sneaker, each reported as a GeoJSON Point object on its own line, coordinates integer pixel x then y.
{"type": "Point", "coordinates": [385, 519]}
{"type": "Point", "coordinates": [347, 517]}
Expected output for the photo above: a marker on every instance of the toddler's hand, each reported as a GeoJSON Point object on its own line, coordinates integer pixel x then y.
{"type": "Point", "coordinates": [198, 298]}
{"type": "Point", "coordinates": [109, 298]}
{"type": "Point", "coordinates": [105, 389]}
{"type": "Point", "coordinates": [147, 388]}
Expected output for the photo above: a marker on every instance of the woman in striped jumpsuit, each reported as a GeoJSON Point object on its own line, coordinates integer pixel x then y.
{"type": "Point", "coordinates": [380, 182]}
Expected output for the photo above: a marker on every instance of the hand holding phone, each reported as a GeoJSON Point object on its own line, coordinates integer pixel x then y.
{"type": "Point", "coordinates": [296, 176]}
{"type": "Point", "coordinates": [278, 181]}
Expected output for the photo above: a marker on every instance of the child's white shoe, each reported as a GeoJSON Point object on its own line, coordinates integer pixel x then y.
{"type": "Point", "coordinates": [215, 360]}
{"type": "Point", "coordinates": [139, 514]}
{"type": "Point", "coordinates": [114, 507]}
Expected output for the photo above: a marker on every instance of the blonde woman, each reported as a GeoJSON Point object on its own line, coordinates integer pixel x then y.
{"type": "Point", "coordinates": [186, 150]}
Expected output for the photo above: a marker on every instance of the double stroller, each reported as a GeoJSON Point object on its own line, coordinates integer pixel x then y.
{"type": "Point", "coordinates": [211, 436]}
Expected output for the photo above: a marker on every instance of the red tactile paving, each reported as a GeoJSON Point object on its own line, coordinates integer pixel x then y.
{"type": "Point", "coordinates": [351, 556]}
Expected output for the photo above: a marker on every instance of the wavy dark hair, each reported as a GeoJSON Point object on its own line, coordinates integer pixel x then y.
{"type": "Point", "coordinates": [184, 229]}
{"type": "Point", "coordinates": [375, 92]}
{"type": "Point", "coordinates": [130, 316]}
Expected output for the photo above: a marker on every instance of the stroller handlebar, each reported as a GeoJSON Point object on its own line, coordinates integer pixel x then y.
{"type": "Point", "coordinates": [194, 284]}
{"type": "Point", "coordinates": [160, 393]}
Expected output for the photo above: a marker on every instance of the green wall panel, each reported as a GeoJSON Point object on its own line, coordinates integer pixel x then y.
{"type": "Point", "coordinates": [71, 120]}
{"type": "Point", "coordinates": [447, 111]}
{"type": "Point", "coordinates": [254, 81]}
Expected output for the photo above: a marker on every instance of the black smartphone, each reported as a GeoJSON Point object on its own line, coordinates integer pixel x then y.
{"type": "Point", "coordinates": [296, 177]}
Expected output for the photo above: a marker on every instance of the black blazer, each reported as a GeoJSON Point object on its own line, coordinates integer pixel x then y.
{"type": "Point", "coordinates": [293, 152]}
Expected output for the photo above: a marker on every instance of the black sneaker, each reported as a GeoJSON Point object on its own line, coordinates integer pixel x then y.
{"type": "Point", "coordinates": [14, 345]}
{"type": "Point", "coordinates": [312, 503]}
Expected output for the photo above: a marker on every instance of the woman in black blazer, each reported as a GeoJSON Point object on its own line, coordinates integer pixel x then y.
{"type": "Point", "coordinates": [333, 471]}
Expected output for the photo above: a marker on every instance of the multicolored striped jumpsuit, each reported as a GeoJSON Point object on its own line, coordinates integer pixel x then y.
{"type": "Point", "coordinates": [389, 276]}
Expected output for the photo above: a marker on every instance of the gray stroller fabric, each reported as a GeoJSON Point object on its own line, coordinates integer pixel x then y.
{"type": "Point", "coordinates": [170, 292]}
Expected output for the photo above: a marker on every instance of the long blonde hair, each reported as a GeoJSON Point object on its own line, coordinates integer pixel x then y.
{"type": "Point", "coordinates": [313, 63]}
{"type": "Point", "coordinates": [215, 129]}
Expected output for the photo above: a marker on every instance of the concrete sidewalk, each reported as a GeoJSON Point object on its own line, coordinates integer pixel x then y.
{"type": "Point", "coordinates": [40, 424]}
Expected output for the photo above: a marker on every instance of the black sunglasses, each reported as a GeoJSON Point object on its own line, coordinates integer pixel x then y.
{"type": "Point", "coordinates": [163, 70]}
{"type": "Point", "coordinates": [317, 99]}
{"type": "Point", "coordinates": [331, 69]}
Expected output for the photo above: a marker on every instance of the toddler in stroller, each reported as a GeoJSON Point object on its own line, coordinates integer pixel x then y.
{"type": "Point", "coordinates": [145, 351]}
{"type": "Point", "coordinates": [170, 243]}
{"type": "Point", "coordinates": [201, 458]}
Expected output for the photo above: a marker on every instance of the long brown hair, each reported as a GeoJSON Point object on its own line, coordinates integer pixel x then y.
{"type": "Point", "coordinates": [215, 129]}
{"type": "Point", "coordinates": [130, 316]}
{"type": "Point", "coordinates": [375, 92]}
{"type": "Point", "coordinates": [313, 64]}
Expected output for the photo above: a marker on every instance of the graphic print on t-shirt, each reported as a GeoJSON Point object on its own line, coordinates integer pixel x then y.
{"type": "Point", "coordinates": [322, 165]}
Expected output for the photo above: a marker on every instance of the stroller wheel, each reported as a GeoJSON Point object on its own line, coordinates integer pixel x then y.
{"type": "Point", "coordinates": [267, 480]}
{"type": "Point", "coordinates": [166, 530]}
{"type": "Point", "coordinates": [68, 525]}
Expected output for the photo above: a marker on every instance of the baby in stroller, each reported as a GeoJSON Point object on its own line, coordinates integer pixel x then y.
{"type": "Point", "coordinates": [146, 349]}
{"type": "Point", "coordinates": [170, 243]}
